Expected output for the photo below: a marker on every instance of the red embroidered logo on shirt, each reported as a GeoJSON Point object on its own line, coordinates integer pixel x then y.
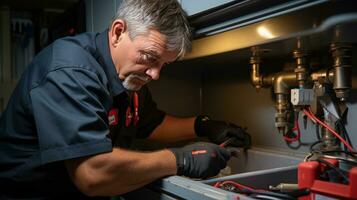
{"type": "Point", "coordinates": [113, 117]}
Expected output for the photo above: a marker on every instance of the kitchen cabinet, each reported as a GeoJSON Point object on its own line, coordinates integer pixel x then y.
{"type": "Point", "coordinates": [99, 13]}
{"type": "Point", "coordinates": [193, 7]}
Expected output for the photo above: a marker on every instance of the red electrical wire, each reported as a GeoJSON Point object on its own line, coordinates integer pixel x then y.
{"type": "Point", "coordinates": [217, 185]}
{"type": "Point", "coordinates": [314, 118]}
{"type": "Point", "coordinates": [235, 184]}
{"type": "Point", "coordinates": [297, 129]}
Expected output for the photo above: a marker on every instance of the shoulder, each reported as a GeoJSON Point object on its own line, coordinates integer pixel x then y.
{"type": "Point", "coordinates": [69, 54]}
{"type": "Point", "coordinates": [78, 51]}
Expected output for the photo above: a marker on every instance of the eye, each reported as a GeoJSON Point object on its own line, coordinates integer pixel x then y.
{"type": "Point", "coordinates": [146, 57]}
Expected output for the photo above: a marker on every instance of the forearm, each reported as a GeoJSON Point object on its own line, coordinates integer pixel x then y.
{"type": "Point", "coordinates": [174, 129]}
{"type": "Point", "coordinates": [122, 171]}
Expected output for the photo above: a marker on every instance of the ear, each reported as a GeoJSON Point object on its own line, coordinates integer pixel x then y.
{"type": "Point", "coordinates": [117, 29]}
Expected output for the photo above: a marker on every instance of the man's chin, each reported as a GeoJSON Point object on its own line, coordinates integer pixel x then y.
{"type": "Point", "coordinates": [134, 84]}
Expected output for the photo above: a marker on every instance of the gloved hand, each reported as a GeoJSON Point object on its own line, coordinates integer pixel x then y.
{"type": "Point", "coordinates": [220, 131]}
{"type": "Point", "coordinates": [200, 160]}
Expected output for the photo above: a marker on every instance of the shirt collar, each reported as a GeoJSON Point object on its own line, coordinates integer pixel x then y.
{"type": "Point", "coordinates": [115, 85]}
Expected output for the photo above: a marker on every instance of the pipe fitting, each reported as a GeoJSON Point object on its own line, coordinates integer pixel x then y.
{"type": "Point", "coordinates": [301, 69]}
{"type": "Point", "coordinates": [281, 115]}
{"type": "Point", "coordinates": [283, 81]}
{"type": "Point", "coordinates": [342, 82]}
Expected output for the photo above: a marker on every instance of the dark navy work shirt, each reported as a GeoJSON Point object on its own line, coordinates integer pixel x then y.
{"type": "Point", "coordinates": [59, 111]}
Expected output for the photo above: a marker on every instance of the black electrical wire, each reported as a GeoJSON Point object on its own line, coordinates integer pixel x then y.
{"type": "Point", "coordinates": [314, 144]}
{"type": "Point", "coordinates": [341, 129]}
{"type": "Point", "coordinates": [338, 126]}
{"type": "Point", "coordinates": [345, 159]}
{"type": "Point", "coordinates": [298, 144]}
{"type": "Point", "coordinates": [338, 170]}
{"type": "Point", "coordinates": [298, 193]}
{"type": "Point", "coordinates": [341, 126]}
{"type": "Point", "coordinates": [318, 136]}
{"type": "Point", "coordinates": [352, 154]}
{"type": "Point", "coordinates": [350, 157]}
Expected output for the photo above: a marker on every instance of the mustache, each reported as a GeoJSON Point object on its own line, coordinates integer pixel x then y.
{"type": "Point", "coordinates": [142, 77]}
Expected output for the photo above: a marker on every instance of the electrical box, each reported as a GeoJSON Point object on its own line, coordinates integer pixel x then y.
{"type": "Point", "coordinates": [302, 97]}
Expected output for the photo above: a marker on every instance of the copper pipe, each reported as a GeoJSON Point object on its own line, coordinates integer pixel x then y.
{"type": "Point", "coordinates": [256, 78]}
{"type": "Point", "coordinates": [283, 81]}
{"type": "Point", "coordinates": [268, 80]}
{"type": "Point", "coordinates": [323, 76]}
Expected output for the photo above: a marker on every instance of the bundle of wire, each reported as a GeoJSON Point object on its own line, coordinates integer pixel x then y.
{"type": "Point", "coordinates": [311, 115]}
{"type": "Point", "coordinates": [294, 134]}
{"type": "Point", "coordinates": [333, 173]}
{"type": "Point", "coordinates": [259, 194]}
{"type": "Point", "coordinates": [347, 155]}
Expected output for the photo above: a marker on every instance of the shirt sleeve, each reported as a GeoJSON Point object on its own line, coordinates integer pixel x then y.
{"type": "Point", "coordinates": [150, 115]}
{"type": "Point", "coordinates": [69, 108]}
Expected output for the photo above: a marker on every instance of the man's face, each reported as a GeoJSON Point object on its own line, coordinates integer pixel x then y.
{"type": "Point", "coordinates": [140, 60]}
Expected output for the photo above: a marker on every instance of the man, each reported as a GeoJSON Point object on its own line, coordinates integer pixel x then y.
{"type": "Point", "coordinates": [67, 129]}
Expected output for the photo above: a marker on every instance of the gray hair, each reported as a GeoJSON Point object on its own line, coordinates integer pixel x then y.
{"type": "Point", "coordinates": [165, 16]}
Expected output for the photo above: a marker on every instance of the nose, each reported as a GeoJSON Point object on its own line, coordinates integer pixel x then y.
{"type": "Point", "coordinates": [153, 72]}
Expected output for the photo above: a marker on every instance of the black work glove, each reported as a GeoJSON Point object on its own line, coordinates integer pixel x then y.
{"type": "Point", "coordinates": [220, 131]}
{"type": "Point", "coordinates": [200, 160]}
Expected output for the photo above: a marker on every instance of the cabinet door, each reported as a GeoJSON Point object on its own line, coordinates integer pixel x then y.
{"type": "Point", "coordinates": [99, 12]}
{"type": "Point", "coordinates": [196, 6]}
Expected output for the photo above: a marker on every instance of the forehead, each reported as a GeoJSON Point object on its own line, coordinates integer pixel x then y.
{"type": "Point", "coordinates": [154, 42]}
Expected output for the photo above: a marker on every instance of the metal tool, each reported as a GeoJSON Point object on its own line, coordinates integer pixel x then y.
{"type": "Point", "coordinates": [233, 151]}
